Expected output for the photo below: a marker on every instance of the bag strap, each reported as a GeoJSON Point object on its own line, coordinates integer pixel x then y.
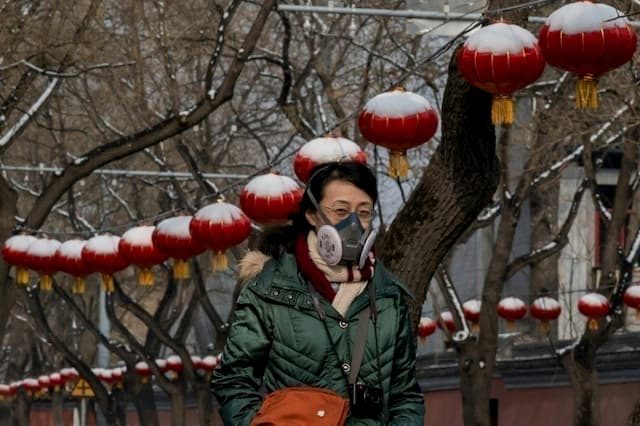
{"type": "Point", "coordinates": [358, 349]}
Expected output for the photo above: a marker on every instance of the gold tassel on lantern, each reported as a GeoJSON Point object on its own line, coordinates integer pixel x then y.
{"type": "Point", "coordinates": [593, 324]}
{"type": "Point", "coordinates": [219, 262]}
{"type": "Point", "coordinates": [78, 286]}
{"type": "Point", "coordinates": [107, 283]}
{"type": "Point", "coordinates": [502, 110]}
{"type": "Point", "coordinates": [22, 276]}
{"type": "Point", "coordinates": [145, 277]}
{"type": "Point", "coordinates": [545, 326]}
{"type": "Point", "coordinates": [512, 327]}
{"type": "Point", "coordinates": [587, 92]}
{"type": "Point", "coordinates": [181, 269]}
{"type": "Point", "coordinates": [46, 282]}
{"type": "Point", "coordinates": [398, 164]}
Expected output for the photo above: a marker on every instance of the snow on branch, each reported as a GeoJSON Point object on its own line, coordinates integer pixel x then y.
{"type": "Point", "coordinates": [608, 124]}
{"type": "Point", "coordinates": [631, 257]}
{"type": "Point", "coordinates": [19, 125]}
{"type": "Point", "coordinates": [453, 301]}
{"type": "Point", "coordinates": [558, 241]}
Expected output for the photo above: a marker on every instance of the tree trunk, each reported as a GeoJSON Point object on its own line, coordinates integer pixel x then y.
{"type": "Point", "coordinates": [475, 385]}
{"type": "Point", "coordinates": [580, 367]}
{"type": "Point", "coordinates": [178, 409]}
{"type": "Point", "coordinates": [21, 408]}
{"type": "Point", "coordinates": [57, 406]}
{"type": "Point", "coordinates": [145, 403]}
{"type": "Point", "coordinates": [203, 396]}
{"type": "Point", "coordinates": [8, 211]}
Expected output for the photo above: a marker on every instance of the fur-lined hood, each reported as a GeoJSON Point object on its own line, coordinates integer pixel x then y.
{"type": "Point", "coordinates": [251, 265]}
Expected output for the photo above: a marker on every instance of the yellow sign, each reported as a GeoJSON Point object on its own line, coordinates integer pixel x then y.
{"type": "Point", "coordinates": [82, 390]}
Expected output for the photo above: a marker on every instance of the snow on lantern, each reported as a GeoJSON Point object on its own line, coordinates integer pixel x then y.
{"type": "Point", "coordinates": [594, 306]}
{"type": "Point", "coordinates": [512, 309]}
{"type": "Point", "coordinates": [587, 39]}
{"type": "Point", "coordinates": [45, 383]}
{"type": "Point", "coordinates": [325, 150]}
{"type": "Point", "coordinates": [220, 226]}
{"type": "Point", "coordinates": [69, 260]}
{"type": "Point", "coordinates": [426, 327]}
{"type": "Point", "coordinates": [41, 257]}
{"type": "Point", "coordinates": [398, 120]}
{"type": "Point", "coordinates": [446, 322]}
{"type": "Point", "coordinates": [5, 392]}
{"type": "Point", "coordinates": [209, 363]}
{"type": "Point", "coordinates": [632, 299]}
{"type": "Point", "coordinates": [101, 254]}
{"type": "Point", "coordinates": [31, 386]}
{"type": "Point", "coordinates": [69, 377]}
{"type": "Point", "coordinates": [14, 252]}
{"type": "Point", "coordinates": [501, 59]}
{"type": "Point", "coordinates": [117, 375]}
{"type": "Point", "coordinates": [56, 382]}
{"type": "Point", "coordinates": [174, 367]}
{"type": "Point", "coordinates": [545, 309]}
{"type": "Point", "coordinates": [13, 388]}
{"type": "Point", "coordinates": [270, 199]}
{"type": "Point", "coordinates": [143, 371]}
{"type": "Point", "coordinates": [471, 309]}
{"type": "Point", "coordinates": [136, 246]}
{"type": "Point", "coordinates": [172, 236]}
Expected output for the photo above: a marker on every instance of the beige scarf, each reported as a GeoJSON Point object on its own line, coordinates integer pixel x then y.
{"type": "Point", "coordinates": [348, 290]}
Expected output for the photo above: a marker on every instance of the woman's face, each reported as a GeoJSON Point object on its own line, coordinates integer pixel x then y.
{"type": "Point", "coordinates": [339, 200]}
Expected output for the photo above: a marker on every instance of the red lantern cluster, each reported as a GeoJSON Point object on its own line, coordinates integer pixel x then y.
{"type": "Point", "coordinates": [325, 150]}
{"type": "Point", "coordinates": [512, 309]}
{"type": "Point", "coordinates": [270, 199]}
{"type": "Point", "coordinates": [632, 299]}
{"type": "Point", "coordinates": [398, 120]}
{"type": "Point", "coordinates": [137, 248]}
{"type": "Point", "coordinates": [594, 306]}
{"type": "Point", "coordinates": [588, 39]}
{"type": "Point", "coordinates": [172, 236]}
{"type": "Point", "coordinates": [101, 254]}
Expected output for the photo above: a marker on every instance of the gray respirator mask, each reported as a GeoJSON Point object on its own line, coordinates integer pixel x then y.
{"type": "Point", "coordinates": [345, 242]}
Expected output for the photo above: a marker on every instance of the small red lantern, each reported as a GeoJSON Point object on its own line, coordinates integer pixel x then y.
{"type": "Point", "coordinates": [398, 120]}
{"type": "Point", "coordinates": [45, 383]}
{"type": "Point", "coordinates": [13, 388]}
{"type": "Point", "coordinates": [14, 252]}
{"type": "Point", "coordinates": [41, 256]}
{"type": "Point", "coordinates": [174, 367]}
{"type": "Point", "coordinates": [136, 246]}
{"type": "Point", "coordinates": [101, 254]}
{"type": "Point", "coordinates": [594, 306]}
{"type": "Point", "coordinates": [117, 375]}
{"type": "Point", "coordinates": [172, 237]}
{"type": "Point", "coordinates": [31, 386]}
{"type": "Point", "coordinates": [220, 226]}
{"type": "Point", "coordinates": [144, 371]}
{"type": "Point", "coordinates": [270, 199]}
{"type": "Point", "coordinates": [56, 381]}
{"type": "Point", "coordinates": [5, 392]}
{"type": "Point", "coordinates": [446, 322]}
{"type": "Point", "coordinates": [209, 363]}
{"type": "Point", "coordinates": [632, 299]}
{"type": "Point", "coordinates": [69, 260]}
{"type": "Point", "coordinates": [588, 39]}
{"type": "Point", "coordinates": [501, 59]}
{"type": "Point", "coordinates": [545, 309]}
{"type": "Point", "coordinates": [325, 150]}
{"type": "Point", "coordinates": [512, 309]}
{"type": "Point", "coordinates": [426, 328]}
{"type": "Point", "coordinates": [471, 309]}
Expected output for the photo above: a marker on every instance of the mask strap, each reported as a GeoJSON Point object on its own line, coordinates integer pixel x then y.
{"type": "Point", "coordinates": [318, 209]}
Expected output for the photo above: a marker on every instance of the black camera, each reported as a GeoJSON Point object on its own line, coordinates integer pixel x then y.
{"type": "Point", "coordinates": [366, 401]}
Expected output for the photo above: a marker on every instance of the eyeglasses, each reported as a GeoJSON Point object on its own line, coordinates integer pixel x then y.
{"type": "Point", "coordinates": [339, 212]}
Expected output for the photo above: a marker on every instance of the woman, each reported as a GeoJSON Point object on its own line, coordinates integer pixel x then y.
{"type": "Point", "coordinates": [296, 319]}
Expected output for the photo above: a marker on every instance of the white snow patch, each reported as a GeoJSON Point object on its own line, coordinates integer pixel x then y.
{"type": "Point", "coordinates": [501, 38]}
{"type": "Point", "coordinates": [584, 16]}
{"type": "Point", "coordinates": [397, 104]}
{"type": "Point", "coordinates": [72, 249]}
{"type": "Point", "coordinates": [103, 244]}
{"type": "Point", "coordinates": [594, 299]}
{"type": "Point", "coordinates": [20, 243]}
{"type": "Point", "coordinates": [210, 361]}
{"type": "Point", "coordinates": [175, 226]}
{"type": "Point", "coordinates": [43, 247]}
{"type": "Point", "coordinates": [511, 304]}
{"type": "Point", "coordinates": [271, 185]}
{"type": "Point", "coordinates": [324, 150]}
{"type": "Point", "coordinates": [546, 303]}
{"type": "Point", "coordinates": [426, 322]}
{"type": "Point", "coordinates": [633, 291]}
{"type": "Point", "coordinates": [472, 305]}
{"type": "Point", "coordinates": [219, 212]}
{"type": "Point", "coordinates": [139, 236]}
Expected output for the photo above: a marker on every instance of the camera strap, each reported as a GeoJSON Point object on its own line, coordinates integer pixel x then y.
{"type": "Point", "coordinates": [361, 335]}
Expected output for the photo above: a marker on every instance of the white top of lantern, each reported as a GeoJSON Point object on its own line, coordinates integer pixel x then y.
{"type": "Point", "coordinates": [139, 236]}
{"type": "Point", "coordinates": [446, 316]}
{"type": "Point", "coordinates": [210, 361]}
{"type": "Point", "coordinates": [397, 104]}
{"type": "Point", "coordinates": [19, 243]}
{"type": "Point", "coordinates": [44, 380]}
{"type": "Point", "coordinates": [633, 291]}
{"type": "Point", "coordinates": [4, 389]}
{"type": "Point", "coordinates": [220, 212]}
{"type": "Point", "coordinates": [472, 305]}
{"type": "Point", "coordinates": [174, 359]}
{"type": "Point", "coordinates": [271, 185]}
{"type": "Point", "coordinates": [43, 247]}
{"type": "Point", "coordinates": [161, 363]}
{"type": "Point", "coordinates": [195, 359]}
{"type": "Point", "coordinates": [546, 303]}
{"type": "Point", "coordinates": [175, 226]}
{"type": "Point", "coordinates": [501, 38]}
{"type": "Point", "coordinates": [584, 16]}
{"type": "Point", "coordinates": [31, 382]}
{"type": "Point", "coordinates": [594, 299]}
{"type": "Point", "coordinates": [511, 303]}
{"type": "Point", "coordinates": [142, 366]}
{"type": "Point", "coordinates": [324, 150]}
{"type": "Point", "coordinates": [56, 377]}
{"type": "Point", "coordinates": [72, 249]}
{"type": "Point", "coordinates": [426, 321]}
{"type": "Point", "coordinates": [103, 244]}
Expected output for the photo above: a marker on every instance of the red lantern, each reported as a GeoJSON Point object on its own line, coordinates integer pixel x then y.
{"type": "Point", "coordinates": [172, 237]}
{"type": "Point", "coordinates": [471, 309]}
{"type": "Point", "coordinates": [14, 252]}
{"type": "Point", "coordinates": [220, 226]}
{"type": "Point", "coordinates": [41, 256]}
{"type": "Point", "coordinates": [501, 59]}
{"type": "Point", "coordinates": [116, 377]}
{"type": "Point", "coordinates": [13, 388]}
{"type": "Point", "coordinates": [31, 386]}
{"type": "Point", "coordinates": [143, 370]}
{"type": "Point", "coordinates": [174, 367]}
{"type": "Point", "coordinates": [446, 322]}
{"type": "Point", "coordinates": [136, 246]}
{"type": "Point", "coordinates": [44, 382]}
{"type": "Point", "coordinates": [209, 363]}
{"type": "Point", "coordinates": [426, 328]}
{"type": "Point", "coordinates": [594, 306]}
{"type": "Point", "coordinates": [56, 381]}
{"type": "Point", "coordinates": [270, 199]}
{"type": "Point", "coordinates": [162, 364]}
{"type": "Point", "coordinates": [325, 150]}
{"type": "Point", "coordinates": [101, 254]}
{"type": "Point", "coordinates": [398, 120]}
{"type": "Point", "coordinates": [69, 260]}
{"type": "Point", "coordinates": [512, 309]}
{"type": "Point", "coordinates": [5, 392]}
{"type": "Point", "coordinates": [588, 39]}
{"type": "Point", "coordinates": [545, 309]}
{"type": "Point", "coordinates": [632, 299]}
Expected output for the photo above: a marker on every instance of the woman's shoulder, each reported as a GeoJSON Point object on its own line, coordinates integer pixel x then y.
{"type": "Point", "coordinates": [258, 268]}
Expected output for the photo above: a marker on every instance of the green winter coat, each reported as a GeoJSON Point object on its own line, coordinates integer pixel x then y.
{"type": "Point", "coordinates": [277, 340]}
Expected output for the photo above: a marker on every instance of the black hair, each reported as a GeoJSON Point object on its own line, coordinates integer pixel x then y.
{"type": "Point", "coordinates": [279, 239]}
